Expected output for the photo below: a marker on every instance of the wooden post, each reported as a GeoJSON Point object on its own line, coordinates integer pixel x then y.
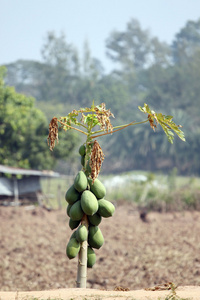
{"type": "Point", "coordinates": [16, 190]}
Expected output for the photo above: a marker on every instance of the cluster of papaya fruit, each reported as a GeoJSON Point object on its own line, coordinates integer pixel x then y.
{"type": "Point", "coordinates": [86, 200]}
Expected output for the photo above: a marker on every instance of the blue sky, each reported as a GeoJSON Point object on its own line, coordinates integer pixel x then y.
{"type": "Point", "coordinates": [24, 23]}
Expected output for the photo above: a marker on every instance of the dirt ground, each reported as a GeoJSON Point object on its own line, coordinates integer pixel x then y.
{"type": "Point", "coordinates": [183, 293]}
{"type": "Point", "coordinates": [135, 255]}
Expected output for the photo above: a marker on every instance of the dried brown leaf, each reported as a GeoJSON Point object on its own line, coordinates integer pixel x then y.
{"type": "Point", "coordinates": [103, 116]}
{"type": "Point", "coordinates": [151, 121]}
{"type": "Point", "coordinates": [161, 287]}
{"type": "Point", "coordinates": [96, 159]}
{"type": "Point", "coordinates": [122, 289]}
{"type": "Point", "coordinates": [53, 133]}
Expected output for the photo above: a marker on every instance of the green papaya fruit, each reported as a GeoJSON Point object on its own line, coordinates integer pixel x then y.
{"type": "Point", "coordinates": [83, 160]}
{"type": "Point", "coordinates": [72, 195]}
{"type": "Point", "coordinates": [68, 209]}
{"type": "Point", "coordinates": [95, 237]}
{"type": "Point", "coordinates": [73, 248]}
{"type": "Point", "coordinates": [81, 233]}
{"type": "Point", "coordinates": [76, 213]}
{"type": "Point", "coordinates": [73, 224]}
{"type": "Point", "coordinates": [89, 203]}
{"type": "Point", "coordinates": [97, 188]}
{"type": "Point", "coordinates": [80, 182]}
{"type": "Point", "coordinates": [82, 150]}
{"type": "Point", "coordinates": [106, 208]}
{"type": "Point", "coordinates": [91, 257]}
{"type": "Point", "coordinates": [73, 235]}
{"type": "Point", "coordinates": [95, 219]}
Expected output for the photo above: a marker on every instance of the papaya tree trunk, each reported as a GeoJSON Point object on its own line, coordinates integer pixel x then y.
{"type": "Point", "coordinates": [82, 261]}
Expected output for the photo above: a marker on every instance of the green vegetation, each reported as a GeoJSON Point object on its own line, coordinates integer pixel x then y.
{"type": "Point", "coordinates": [23, 130]}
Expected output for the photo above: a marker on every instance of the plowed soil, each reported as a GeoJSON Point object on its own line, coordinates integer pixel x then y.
{"type": "Point", "coordinates": [135, 255]}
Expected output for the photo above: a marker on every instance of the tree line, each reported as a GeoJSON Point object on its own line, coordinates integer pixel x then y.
{"type": "Point", "coordinates": [144, 70]}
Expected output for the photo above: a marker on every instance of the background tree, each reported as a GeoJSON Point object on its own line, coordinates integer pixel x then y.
{"type": "Point", "coordinates": [134, 49]}
{"type": "Point", "coordinates": [26, 76]}
{"type": "Point", "coordinates": [186, 42]}
{"type": "Point", "coordinates": [23, 130]}
{"type": "Point", "coordinates": [131, 47]}
{"type": "Point", "coordinates": [61, 68]}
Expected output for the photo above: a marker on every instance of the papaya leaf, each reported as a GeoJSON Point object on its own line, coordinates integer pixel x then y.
{"type": "Point", "coordinates": [91, 120]}
{"type": "Point", "coordinates": [166, 122]}
{"type": "Point", "coordinates": [145, 108]}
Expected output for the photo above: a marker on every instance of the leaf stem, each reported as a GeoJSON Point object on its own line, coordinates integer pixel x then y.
{"type": "Point", "coordinates": [132, 123]}
{"type": "Point", "coordinates": [72, 127]}
{"type": "Point", "coordinates": [120, 128]}
{"type": "Point", "coordinates": [82, 125]}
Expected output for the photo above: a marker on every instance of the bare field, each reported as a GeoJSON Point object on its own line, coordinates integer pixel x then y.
{"type": "Point", "coordinates": [135, 255]}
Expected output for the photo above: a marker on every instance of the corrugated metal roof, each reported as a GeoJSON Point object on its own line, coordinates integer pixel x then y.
{"type": "Point", "coordinates": [20, 171]}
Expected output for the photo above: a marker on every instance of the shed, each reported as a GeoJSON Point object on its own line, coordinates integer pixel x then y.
{"type": "Point", "coordinates": [18, 183]}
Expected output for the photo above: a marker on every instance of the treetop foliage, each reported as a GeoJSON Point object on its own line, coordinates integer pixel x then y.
{"type": "Point", "coordinates": [100, 116]}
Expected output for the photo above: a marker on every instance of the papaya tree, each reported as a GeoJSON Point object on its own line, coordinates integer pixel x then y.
{"type": "Point", "coordinates": [86, 197]}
